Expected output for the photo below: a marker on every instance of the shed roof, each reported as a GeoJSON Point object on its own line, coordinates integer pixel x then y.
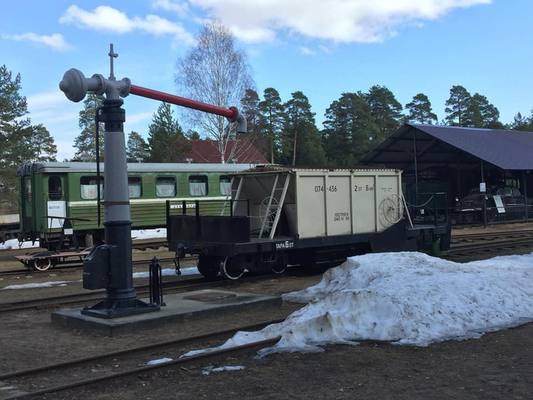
{"type": "Point", "coordinates": [506, 149]}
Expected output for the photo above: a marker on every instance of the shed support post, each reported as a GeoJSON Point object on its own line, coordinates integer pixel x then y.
{"type": "Point", "coordinates": [416, 167]}
{"type": "Point", "coordinates": [484, 196]}
{"type": "Point", "coordinates": [524, 188]}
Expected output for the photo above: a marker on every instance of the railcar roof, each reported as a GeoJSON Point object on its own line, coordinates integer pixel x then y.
{"type": "Point", "coordinates": [274, 169]}
{"type": "Point", "coordinates": [139, 167]}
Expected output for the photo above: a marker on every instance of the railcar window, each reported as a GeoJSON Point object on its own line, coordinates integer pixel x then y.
{"type": "Point", "coordinates": [165, 187]}
{"type": "Point", "coordinates": [225, 185]}
{"type": "Point", "coordinates": [55, 190]}
{"type": "Point", "coordinates": [88, 189]}
{"type": "Point", "coordinates": [134, 187]}
{"type": "Point", "coordinates": [198, 185]}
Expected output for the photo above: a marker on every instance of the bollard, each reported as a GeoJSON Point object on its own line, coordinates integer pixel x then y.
{"type": "Point", "coordinates": [156, 288]}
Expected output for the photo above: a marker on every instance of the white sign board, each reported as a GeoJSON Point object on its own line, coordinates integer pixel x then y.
{"type": "Point", "coordinates": [56, 209]}
{"type": "Point", "coordinates": [499, 203]}
{"type": "Point", "coordinates": [482, 187]}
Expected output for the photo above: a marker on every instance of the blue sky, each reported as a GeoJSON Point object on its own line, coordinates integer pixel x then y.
{"type": "Point", "coordinates": [321, 47]}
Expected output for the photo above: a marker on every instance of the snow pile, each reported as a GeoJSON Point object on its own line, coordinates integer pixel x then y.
{"type": "Point", "coordinates": [149, 233]}
{"type": "Point", "coordinates": [210, 368]}
{"type": "Point", "coordinates": [407, 298]}
{"type": "Point", "coordinates": [168, 272]}
{"type": "Point", "coordinates": [14, 244]}
{"type": "Point", "coordinates": [36, 285]}
{"type": "Point", "coordinates": [159, 361]}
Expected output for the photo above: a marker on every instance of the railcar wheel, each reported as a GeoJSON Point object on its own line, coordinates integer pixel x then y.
{"type": "Point", "coordinates": [280, 266]}
{"type": "Point", "coordinates": [42, 264]}
{"type": "Point", "coordinates": [209, 267]}
{"type": "Point", "coordinates": [232, 268]}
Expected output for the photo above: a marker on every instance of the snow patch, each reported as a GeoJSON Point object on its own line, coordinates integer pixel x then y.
{"type": "Point", "coordinates": [14, 244]}
{"type": "Point", "coordinates": [159, 361]}
{"type": "Point", "coordinates": [406, 298]}
{"type": "Point", "coordinates": [136, 234]}
{"type": "Point", "coordinates": [149, 233]}
{"type": "Point", "coordinates": [168, 272]}
{"type": "Point", "coordinates": [210, 368]}
{"type": "Point", "coordinates": [36, 285]}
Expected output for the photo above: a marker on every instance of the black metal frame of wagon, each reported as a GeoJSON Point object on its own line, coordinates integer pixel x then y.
{"type": "Point", "coordinates": [224, 243]}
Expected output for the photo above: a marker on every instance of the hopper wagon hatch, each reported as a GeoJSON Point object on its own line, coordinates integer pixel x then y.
{"type": "Point", "coordinates": [285, 216]}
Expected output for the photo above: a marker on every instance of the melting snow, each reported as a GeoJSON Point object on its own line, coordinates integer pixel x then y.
{"type": "Point", "coordinates": [168, 272]}
{"type": "Point", "coordinates": [14, 244]}
{"type": "Point", "coordinates": [159, 361]}
{"type": "Point", "coordinates": [149, 233]}
{"type": "Point", "coordinates": [37, 285]}
{"type": "Point", "coordinates": [406, 298]}
{"type": "Point", "coordinates": [137, 234]}
{"type": "Point", "coordinates": [210, 368]}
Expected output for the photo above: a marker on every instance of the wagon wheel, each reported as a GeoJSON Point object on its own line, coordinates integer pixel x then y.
{"type": "Point", "coordinates": [280, 266]}
{"type": "Point", "coordinates": [209, 267]}
{"type": "Point", "coordinates": [232, 269]}
{"type": "Point", "coordinates": [42, 264]}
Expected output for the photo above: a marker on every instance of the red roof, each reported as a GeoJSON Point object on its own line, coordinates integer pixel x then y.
{"type": "Point", "coordinates": [237, 151]}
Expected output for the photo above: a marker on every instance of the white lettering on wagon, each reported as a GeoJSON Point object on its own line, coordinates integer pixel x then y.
{"type": "Point", "coordinates": [287, 244]}
{"type": "Point", "coordinates": [180, 206]}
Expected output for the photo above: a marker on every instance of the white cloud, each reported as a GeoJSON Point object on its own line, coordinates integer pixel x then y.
{"type": "Point", "coordinates": [306, 51]}
{"type": "Point", "coordinates": [105, 18]}
{"type": "Point", "coordinates": [179, 7]}
{"type": "Point", "coordinates": [54, 41]}
{"type": "Point", "coordinates": [139, 117]}
{"type": "Point", "coordinates": [342, 21]}
{"type": "Point", "coordinates": [45, 100]}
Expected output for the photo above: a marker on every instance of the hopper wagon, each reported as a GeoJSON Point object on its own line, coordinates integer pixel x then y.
{"type": "Point", "coordinates": [278, 216]}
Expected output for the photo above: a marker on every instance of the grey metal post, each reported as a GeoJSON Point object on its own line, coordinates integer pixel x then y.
{"type": "Point", "coordinates": [110, 265]}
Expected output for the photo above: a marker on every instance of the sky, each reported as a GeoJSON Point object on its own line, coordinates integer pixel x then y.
{"type": "Point", "coordinates": [321, 47]}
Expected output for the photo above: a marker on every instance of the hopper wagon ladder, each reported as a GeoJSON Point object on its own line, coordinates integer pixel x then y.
{"type": "Point", "coordinates": [274, 207]}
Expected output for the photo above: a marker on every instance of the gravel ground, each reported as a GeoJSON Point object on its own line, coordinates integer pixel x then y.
{"type": "Point", "coordinates": [497, 366]}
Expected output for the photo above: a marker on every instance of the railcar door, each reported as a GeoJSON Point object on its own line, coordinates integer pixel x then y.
{"type": "Point", "coordinates": [27, 204]}
{"type": "Point", "coordinates": [56, 207]}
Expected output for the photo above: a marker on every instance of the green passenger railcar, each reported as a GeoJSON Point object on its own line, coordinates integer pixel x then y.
{"type": "Point", "coordinates": [58, 200]}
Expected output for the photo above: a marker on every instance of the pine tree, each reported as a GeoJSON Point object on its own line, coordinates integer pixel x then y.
{"type": "Point", "coordinates": [137, 148]}
{"type": "Point", "coordinates": [349, 125]}
{"type": "Point", "coordinates": [385, 109]}
{"type": "Point", "coordinates": [165, 137]}
{"type": "Point", "coordinates": [301, 140]}
{"type": "Point", "coordinates": [272, 118]}
{"type": "Point", "coordinates": [19, 140]}
{"type": "Point", "coordinates": [521, 123]}
{"type": "Point", "coordinates": [457, 107]}
{"type": "Point", "coordinates": [85, 142]}
{"type": "Point", "coordinates": [420, 111]}
{"type": "Point", "coordinates": [483, 114]}
{"type": "Point", "coordinates": [250, 109]}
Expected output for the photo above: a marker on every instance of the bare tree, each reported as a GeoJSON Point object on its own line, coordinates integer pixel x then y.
{"type": "Point", "coordinates": [215, 72]}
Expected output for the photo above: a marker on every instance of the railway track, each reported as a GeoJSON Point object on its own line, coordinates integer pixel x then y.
{"type": "Point", "coordinates": [141, 244]}
{"type": "Point", "coordinates": [458, 239]}
{"type": "Point", "coordinates": [467, 252]}
{"type": "Point", "coordinates": [42, 380]}
{"type": "Point", "coordinates": [184, 284]}
{"type": "Point", "coordinates": [69, 267]}
{"type": "Point", "coordinates": [81, 298]}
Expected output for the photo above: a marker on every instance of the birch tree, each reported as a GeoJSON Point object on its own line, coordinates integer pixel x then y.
{"type": "Point", "coordinates": [214, 72]}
